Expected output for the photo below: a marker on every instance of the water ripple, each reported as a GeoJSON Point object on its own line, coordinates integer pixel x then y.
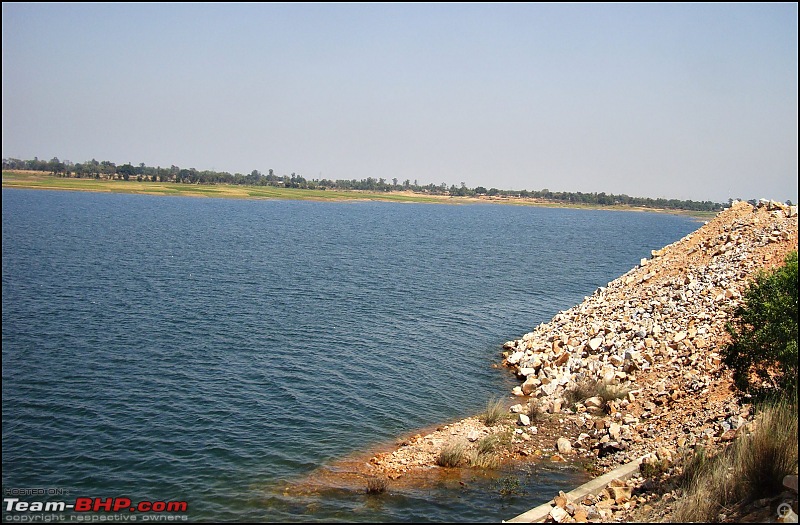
{"type": "Point", "coordinates": [209, 350]}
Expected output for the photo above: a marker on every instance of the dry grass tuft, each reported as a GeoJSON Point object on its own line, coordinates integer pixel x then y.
{"type": "Point", "coordinates": [595, 388]}
{"type": "Point", "coordinates": [495, 412]}
{"type": "Point", "coordinates": [535, 412]}
{"type": "Point", "coordinates": [376, 486]}
{"type": "Point", "coordinates": [483, 460]}
{"type": "Point", "coordinates": [452, 454]}
{"type": "Point", "coordinates": [487, 444]}
{"type": "Point", "coordinates": [753, 466]}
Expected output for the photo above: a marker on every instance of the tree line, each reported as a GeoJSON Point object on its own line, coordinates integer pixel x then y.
{"type": "Point", "coordinates": [142, 173]}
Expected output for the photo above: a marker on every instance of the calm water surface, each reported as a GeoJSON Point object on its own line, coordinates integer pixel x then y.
{"type": "Point", "coordinates": [213, 351]}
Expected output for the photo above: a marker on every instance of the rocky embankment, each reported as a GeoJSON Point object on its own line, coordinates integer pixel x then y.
{"type": "Point", "coordinates": [653, 339]}
{"type": "Point", "coordinates": [656, 333]}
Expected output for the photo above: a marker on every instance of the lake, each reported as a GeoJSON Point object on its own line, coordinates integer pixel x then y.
{"type": "Point", "coordinates": [213, 351]}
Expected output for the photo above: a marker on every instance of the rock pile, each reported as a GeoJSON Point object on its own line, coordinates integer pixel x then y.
{"type": "Point", "coordinates": [655, 335]}
{"type": "Point", "coordinates": [618, 495]}
{"type": "Point", "coordinates": [656, 331]}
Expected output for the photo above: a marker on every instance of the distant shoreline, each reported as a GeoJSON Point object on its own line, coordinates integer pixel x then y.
{"type": "Point", "coordinates": [39, 181]}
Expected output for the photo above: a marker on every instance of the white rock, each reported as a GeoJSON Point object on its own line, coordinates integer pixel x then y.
{"type": "Point", "coordinates": [517, 409]}
{"type": "Point", "coordinates": [514, 358]}
{"type": "Point", "coordinates": [558, 514]}
{"type": "Point", "coordinates": [530, 385]}
{"type": "Point", "coordinates": [549, 389]}
{"type": "Point", "coordinates": [563, 445]}
{"type": "Point", "coordinates": [593, 402]}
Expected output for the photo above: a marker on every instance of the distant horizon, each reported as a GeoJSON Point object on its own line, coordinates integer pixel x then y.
{"type": "Point", "coordinates": [420, 184]}
{"type": "Point", "coordinates": [685, 101]}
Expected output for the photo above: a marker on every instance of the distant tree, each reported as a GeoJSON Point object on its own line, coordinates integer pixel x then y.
{"type": "Point", "coordinates": [108, 168]}
{"type": "Point", "coordinates": [126, 171]}
{"type": "Point", "coordinates": [254, 178]}
{"type": "Point", "coordinates": [56, 167]}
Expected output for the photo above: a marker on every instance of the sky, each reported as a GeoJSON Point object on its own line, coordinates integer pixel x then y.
{"type": "Point", "coordinates": [686, 101]}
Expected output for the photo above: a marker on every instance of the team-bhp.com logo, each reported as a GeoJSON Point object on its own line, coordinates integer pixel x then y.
{"type": "Point", "coordinates": [87, 509]}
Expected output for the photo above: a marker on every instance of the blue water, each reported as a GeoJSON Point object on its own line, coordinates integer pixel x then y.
{"type": "Point", "coordinates": [214, 350]}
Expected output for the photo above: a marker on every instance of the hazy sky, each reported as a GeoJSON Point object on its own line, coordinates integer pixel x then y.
{"type": "Point", "coordinates": [689, 101]}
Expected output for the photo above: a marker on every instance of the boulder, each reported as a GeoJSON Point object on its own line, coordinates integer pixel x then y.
{"type": "Point", "coordinates": [563, 445]}
{"type": "Point", "coordinates": [558, 514]}
{"type": "Point", "coordinates": [790, 482]}
{"type": "Point", "coordinates": [619, 494]}
{"type": "Point", "coordinates": [593, 402]}
{"type": "Point", "coordinates": [530, 385]}
{"type": "Point", "coordinates": [614, 431]}
{"type": "Point", "coordinates": [515, 358]}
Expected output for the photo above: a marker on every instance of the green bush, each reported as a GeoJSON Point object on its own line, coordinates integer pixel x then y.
{"type": "Point", "coordinates": [763, 352]}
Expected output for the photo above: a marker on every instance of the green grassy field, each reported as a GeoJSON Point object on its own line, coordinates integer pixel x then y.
{"type": "Point", "coordinates": [34, 180]}
{"type": "Point", "coordinates": [43, 181]}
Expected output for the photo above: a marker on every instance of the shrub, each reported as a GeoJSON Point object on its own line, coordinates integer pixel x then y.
{"type": "Point", "coordinates": [763, 351]}
{"type": "Point", "coordinates": [376, 486]}
{"type": "Point", "coordinates": [510, 486]}
{"type": "Point", "coordinates": [653, 470]}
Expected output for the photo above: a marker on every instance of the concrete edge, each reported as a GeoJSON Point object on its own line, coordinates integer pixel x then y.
{"type": "Point", "coordinates": [595, 486]}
